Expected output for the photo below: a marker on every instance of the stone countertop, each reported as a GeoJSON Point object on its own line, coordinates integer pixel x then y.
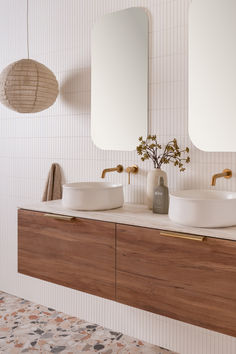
{"type": "Point", "coordinates": [132, 214]}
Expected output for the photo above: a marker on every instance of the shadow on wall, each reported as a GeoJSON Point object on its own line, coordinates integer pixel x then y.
{"type": "Point", "coordinates": [75, 90]}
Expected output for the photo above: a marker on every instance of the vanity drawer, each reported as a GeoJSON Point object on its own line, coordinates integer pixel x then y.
{"type": "Point", "coordinates": [184, 278]}
{"type": "Point", "coordinates": [77, 253]}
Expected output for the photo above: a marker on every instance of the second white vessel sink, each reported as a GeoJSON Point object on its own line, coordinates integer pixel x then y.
{"type": "Point", "coordinates": [92, 196]}
{"type": "Point", "coordinates": [203, 208]}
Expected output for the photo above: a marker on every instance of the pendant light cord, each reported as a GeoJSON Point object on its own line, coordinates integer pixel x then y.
{"type": "Point", "coordinates": [27, 26]}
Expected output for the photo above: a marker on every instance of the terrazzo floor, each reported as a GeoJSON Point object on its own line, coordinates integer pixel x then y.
{"type": "Point", "coordinates": [26, 327]}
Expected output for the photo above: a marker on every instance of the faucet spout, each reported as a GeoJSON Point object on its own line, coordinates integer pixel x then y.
{"type": "Point", "coordinates": [226, 173]}
{"type": "Point", "coordinates": [118, 168]}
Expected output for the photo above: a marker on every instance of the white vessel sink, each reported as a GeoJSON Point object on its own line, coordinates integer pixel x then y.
{"type": "Point", "coordinates": [92, 196]}
{"type": "Point", "coordinates": [203, 208]}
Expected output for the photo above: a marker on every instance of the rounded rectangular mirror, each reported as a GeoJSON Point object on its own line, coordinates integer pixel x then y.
{"type": "Point", "coordinates": [119, 102]}
{"type": "Point", "coordinates": [212, 74]}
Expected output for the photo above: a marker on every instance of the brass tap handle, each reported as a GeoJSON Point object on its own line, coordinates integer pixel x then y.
{"type": "Point", "coordinates": [131, 169]}
{"type": "Point", "coordinates": [118, 168]}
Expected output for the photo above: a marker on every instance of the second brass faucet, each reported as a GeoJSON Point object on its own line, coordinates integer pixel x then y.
{"type": "Point", "coordinates": [118, 168]}
{"type": "Point", "coordinates": [226, 173]}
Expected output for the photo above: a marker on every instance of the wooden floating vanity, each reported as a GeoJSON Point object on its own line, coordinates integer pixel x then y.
{"type": "Point", "coordinates": [188, 276]}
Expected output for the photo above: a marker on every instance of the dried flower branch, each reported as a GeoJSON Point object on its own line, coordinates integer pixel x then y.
{"type": "Point", "coordinates": [148, 149]}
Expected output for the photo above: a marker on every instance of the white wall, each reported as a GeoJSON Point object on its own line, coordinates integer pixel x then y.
{"type": "Point", "coordinates": [60, 38]}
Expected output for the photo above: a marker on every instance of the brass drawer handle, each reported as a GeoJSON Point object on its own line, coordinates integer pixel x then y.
{"type": "Point", "coordinates": [185, 236]}
{"type": "Point", "coordinates": [60, 217]}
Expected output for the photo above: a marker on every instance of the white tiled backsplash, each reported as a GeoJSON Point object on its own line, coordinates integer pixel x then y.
{"type": "Point", "coordinates": [60, 38]}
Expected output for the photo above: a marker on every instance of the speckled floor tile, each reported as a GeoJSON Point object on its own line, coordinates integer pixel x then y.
{"type": "Point", "coordinates": [29, 328]}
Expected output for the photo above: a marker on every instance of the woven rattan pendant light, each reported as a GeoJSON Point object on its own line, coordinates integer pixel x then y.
{"type": "Point", "coordinates": [27, 86]}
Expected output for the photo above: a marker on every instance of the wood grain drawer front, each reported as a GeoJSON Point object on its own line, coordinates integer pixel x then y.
{"type": "Point", "coordinates": [77, 253]}
{"type": "Point", "coordinates": [191, 281]}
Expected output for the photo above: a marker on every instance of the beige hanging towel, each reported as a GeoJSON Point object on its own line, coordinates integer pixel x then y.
{"type": "Point", "coordinates": [53, 188]}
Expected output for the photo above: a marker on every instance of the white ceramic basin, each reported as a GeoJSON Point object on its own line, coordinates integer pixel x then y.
{"type": "Point", "coordinates": [92, 196]}
{"type": "Point", "coordinates": [203, 208]}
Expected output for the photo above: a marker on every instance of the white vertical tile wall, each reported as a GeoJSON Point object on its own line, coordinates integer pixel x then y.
{"type": "Point", "coordinates": [60, 38]}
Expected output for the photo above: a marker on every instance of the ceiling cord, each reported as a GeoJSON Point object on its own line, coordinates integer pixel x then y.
{"type": "Point", "coordinates": [27, 26]}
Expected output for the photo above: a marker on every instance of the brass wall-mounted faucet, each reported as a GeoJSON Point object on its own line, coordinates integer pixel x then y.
{"type": "Point", "coordinates": [226, 173]}
{"type": "Point", "coordinates": [118, 168]}
{"type": "Point", "coordinates": [131, 169]}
